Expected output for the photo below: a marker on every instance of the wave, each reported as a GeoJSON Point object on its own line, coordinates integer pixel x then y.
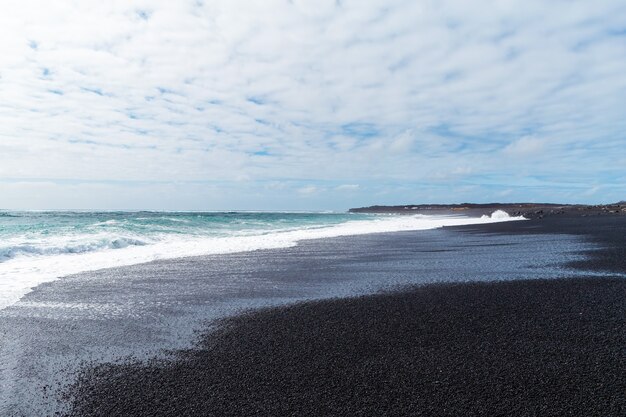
{"type": "Point", "coordinates": [28, 265]}
{"type": "Point", "coordinates": [10, 252]}
{"type": "Point", "coordinates": [111, 222]}
{"type": "Point", "coordinates": [4, 214]}
{"type": "Point", "coordinates": [498, 215]}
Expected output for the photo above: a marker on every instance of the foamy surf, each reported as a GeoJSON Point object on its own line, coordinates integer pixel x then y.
{"type": "Point", "coordinates": [35, 265]}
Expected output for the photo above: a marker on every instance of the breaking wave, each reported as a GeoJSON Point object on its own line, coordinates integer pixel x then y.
{"type": "Point", "coordinates": [71, 247]}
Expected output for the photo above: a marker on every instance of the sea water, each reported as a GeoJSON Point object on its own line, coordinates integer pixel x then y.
{"type": "Point", "coordinates": [38, 247]}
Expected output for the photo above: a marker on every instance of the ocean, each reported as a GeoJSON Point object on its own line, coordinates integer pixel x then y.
{"type": "Point", "coordinates": [41, 246]}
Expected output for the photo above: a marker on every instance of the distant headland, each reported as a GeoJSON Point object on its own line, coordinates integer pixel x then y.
{"type": "Point", "coordinates": [528, 210]}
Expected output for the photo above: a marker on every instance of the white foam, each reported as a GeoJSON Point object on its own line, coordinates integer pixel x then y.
{"type": "Point", "coordinates": [19, 275]}
{"type": "Point", "coordinates": [498, 215]}
{"type": "Point", "coordinates": [57, 245]}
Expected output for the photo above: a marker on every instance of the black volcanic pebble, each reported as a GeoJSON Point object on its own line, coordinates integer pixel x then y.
{"type": "Point", "coordinates": [522, 348]}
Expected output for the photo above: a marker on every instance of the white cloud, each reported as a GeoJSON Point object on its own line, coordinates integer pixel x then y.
{"type": "Point", "coordinates": [525, 146]}
{"type": "Point", "coordinates": [309, 190]}
{"type": "Point", "coordinates": [592, 191]}
{"type": "Point", "coordinates": [353, 91]}
{"type": "Point", "coordinates": [452, 174]}
{"type": "Point", "coordinates": [347, 187]}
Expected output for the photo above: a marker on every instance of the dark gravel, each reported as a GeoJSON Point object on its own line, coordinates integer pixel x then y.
{"type": "Point", "coordinates": [523, 348]}
{"type": "Point", "coordinates": [535, 348]}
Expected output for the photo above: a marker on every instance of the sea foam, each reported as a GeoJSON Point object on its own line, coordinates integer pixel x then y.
{"type": "Point", "coordinates": [26, 266]}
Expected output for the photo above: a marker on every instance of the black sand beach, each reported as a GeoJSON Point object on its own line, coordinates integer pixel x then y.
{"type": "Point", "coordinates": [522, 347]}
{"type": "Point", "coordinates": [532, 348]}
{"type": "Point", "coordinates": [382, 324]}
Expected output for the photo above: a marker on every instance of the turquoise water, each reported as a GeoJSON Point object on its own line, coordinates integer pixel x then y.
{"type": "Point", "coordinates": [49, 233]}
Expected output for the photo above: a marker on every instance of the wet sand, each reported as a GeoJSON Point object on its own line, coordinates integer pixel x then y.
{"type": "Point", "coordinates": [519, 347]}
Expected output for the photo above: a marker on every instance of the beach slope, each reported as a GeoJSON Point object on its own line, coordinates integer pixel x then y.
{"type": "Point", "coordinates": [525, 347]}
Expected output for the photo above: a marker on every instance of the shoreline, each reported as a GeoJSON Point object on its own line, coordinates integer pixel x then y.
{"type": "Point", "coordinates": [526, 347]}
{"type": "Point", "coordinates": [163, 307]}
{"type": "Point", "coordinates": [31, 272]}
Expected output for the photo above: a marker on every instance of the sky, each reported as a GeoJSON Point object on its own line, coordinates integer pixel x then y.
{"type": "Point", "coordinates": [310, 105]}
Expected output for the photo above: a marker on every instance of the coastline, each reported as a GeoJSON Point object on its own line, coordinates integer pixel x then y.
{"type": "Point", "coordinates": [162, 305]}
{"type": "Point", "coordinates": [523, 347]}
{"type": "Point", "coordinates": [118, 243]}
{"type": "Point", "coordinates": [528, 210]}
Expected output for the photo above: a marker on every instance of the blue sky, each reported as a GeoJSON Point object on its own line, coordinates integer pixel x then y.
{"type": "Point", "coordinates": [310, 104]}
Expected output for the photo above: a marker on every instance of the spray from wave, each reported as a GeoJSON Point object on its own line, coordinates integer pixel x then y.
{"type": "Point", "coordinates": [499, 215]}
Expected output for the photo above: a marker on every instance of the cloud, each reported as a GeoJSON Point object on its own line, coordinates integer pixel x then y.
{"type": "Point", "coordinates": [454, 173]}
{"type": "Point", "coordinates": [309, 190]}
{"type": "Point", "coordinates": [593, 190]}
{"type": "Point", "coordinates": [347, 187]}
{"type": "Point", "coordinates": [525, 146]}
{"type": "Point", "coordinates": [369, 92]}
